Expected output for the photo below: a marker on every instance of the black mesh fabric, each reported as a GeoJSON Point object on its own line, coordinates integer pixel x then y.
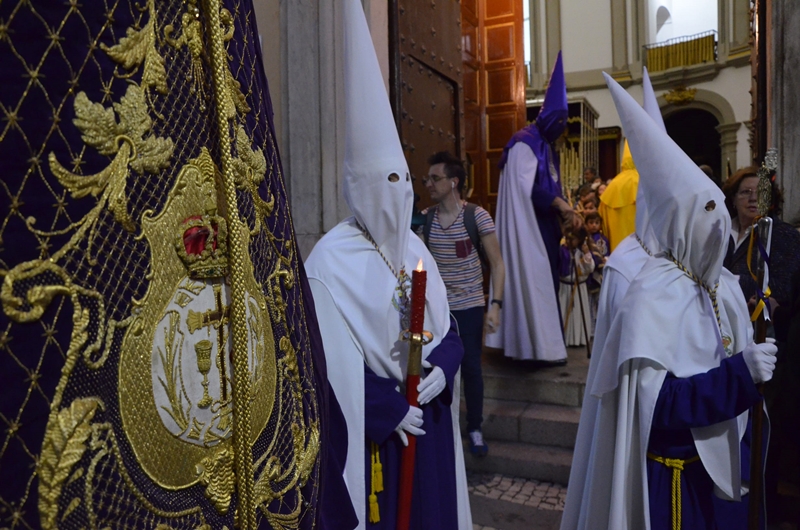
{"type": "Point", "coordinates": [82, 84]}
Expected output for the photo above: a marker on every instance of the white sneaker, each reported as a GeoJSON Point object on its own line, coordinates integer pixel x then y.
{"type": "Point", "coordinates": [477, 445]}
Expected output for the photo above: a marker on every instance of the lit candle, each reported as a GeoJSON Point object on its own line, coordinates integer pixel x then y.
{"type": "Point", "coordinates": [419, 278]}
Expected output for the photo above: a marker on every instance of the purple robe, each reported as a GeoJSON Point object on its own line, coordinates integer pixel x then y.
{"type": "Point", "coordinates": [433, 504]}
{"type": "Point", "coordinates": [540, 137]}
{"type": "Point", "coordinates": [698, 401]}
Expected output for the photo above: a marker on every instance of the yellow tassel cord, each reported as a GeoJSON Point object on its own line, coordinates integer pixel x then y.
{"type": "Point", "coordinates": [377, 484]}
{"type": "Point", "coordinates": [676, 464]}
{"type": "Point", "coordinates": [760, 307]}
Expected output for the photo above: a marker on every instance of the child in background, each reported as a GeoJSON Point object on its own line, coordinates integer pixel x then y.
{"type": "Point", "coordinates": [574, 299]}
{"type": "Point", "coordinates": [600, 248]}
{"type": "Point", "coordinates": [589, 205]}
{"type": "Point", "coordinates": [585, 192]}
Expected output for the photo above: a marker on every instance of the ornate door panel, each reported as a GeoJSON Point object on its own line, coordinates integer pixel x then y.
{"type": "Point", "coordinates": [494, 87]}
{"type": "Point", "coordinates": [426, 81]}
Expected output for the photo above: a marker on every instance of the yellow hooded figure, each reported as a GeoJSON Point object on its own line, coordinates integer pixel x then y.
{"type": "Point", "coordinates": [618, 202]}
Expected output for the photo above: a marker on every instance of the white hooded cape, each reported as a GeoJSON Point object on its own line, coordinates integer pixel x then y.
{"type": "Point", "coordinates": [679, 334]}
{"type": "Point", "coordinates": [531, 327]}
{"type": "Point", "coordinates": [352, 289]}
{"type": "Point", "coordinates": [353, 279]}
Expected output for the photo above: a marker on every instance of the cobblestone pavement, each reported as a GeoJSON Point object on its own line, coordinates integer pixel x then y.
{"type": "Point", "coordinates": [534, 493]}
{"type": "Point", "coordinates": [525, 492]}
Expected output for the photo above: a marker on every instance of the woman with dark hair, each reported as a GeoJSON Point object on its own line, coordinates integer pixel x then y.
{"type": "Point", "coordinates": [741, 198]}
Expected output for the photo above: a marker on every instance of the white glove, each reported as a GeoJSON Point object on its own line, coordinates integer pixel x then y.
{"type": "Point", "coordinates": [411, 423]}
{"type": "Point", "coordinates": [760, 360]}
{"type": "Point", "coordinates": [431, 386]}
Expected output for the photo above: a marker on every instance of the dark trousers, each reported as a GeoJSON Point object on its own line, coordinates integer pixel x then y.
{"type": "Point", "coordinates": [470, 328]}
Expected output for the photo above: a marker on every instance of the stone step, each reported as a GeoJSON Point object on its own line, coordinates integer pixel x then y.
{"type": "Point", "coordinates": [538, 462]}
{"type": "Point", "coordinates": [511, 380]}
{"type": "Point", "coordinates": [534, 423]}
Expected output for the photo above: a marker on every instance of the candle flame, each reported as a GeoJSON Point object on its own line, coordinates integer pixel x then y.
{"type": "Point", "coordinates": [419, 265]}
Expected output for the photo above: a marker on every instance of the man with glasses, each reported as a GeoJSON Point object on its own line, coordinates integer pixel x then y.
{"type": "Point", "coordinates": [461, 236]}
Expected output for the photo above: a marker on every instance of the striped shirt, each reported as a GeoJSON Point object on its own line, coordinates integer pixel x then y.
{"type": "Point", "coordinates": [458, 261]}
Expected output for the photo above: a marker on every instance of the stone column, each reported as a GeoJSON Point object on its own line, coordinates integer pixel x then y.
{"type": "Point", "coordinates": [728, 141]}
{"type": "Point", "coordinates": [784, 105]}
{"type": "Point", "coordinates": [313, 122]}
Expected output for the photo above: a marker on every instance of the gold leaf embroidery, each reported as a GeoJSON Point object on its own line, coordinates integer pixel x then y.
{"type": "Point", "coordinates": [73, 505]}
{"type": "Point", "coordinates": [139, 46]}
{"type": "Point", "coordinates": [124, 139]}
{"type": "Point", "coordinates": [63, 447]}
{"type": "Point", "coordinates": [250, 168]}
{"type": "Point", "coordinates": [191, 37]}
{"type": "Point", "coordinates": [235, 100]}
{"type": "Point", "coordinates": [114, 174]}
{"type": "Point", "coordinates": [97, 124]}
{"type": "Point", "coordinates": [305, 451]}
{"type": "Point", "coordinates": [216, 473]}
{"type": "Point", "coordinates": [171, 363]}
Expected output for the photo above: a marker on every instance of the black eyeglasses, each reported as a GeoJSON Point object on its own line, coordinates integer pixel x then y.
{"type": "Point", "coordinates": [434, 178]}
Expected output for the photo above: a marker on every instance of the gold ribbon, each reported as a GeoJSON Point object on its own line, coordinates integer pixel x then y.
{"type": "Point", "coordinates": [676, 464]}
{"type": "Point", "coordinates": [760, 307]}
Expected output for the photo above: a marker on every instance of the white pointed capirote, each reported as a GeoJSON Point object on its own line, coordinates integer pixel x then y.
{"type": "Point", "coordinates": [688, 215]}
{"type": "Point", "coordinates": [377, 184]}
{"type": "Point", "coordinates": [672, 319]}
{"type": "Point", "coordinates": [649, 101]}
{"type": "Point", "coordinates": [360, 301]}
{"type": "Point", "coordinates": [646, 236]}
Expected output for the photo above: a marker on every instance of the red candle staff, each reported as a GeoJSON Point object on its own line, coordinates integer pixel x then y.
{"type": "Point", "coordinates": [416, 338]}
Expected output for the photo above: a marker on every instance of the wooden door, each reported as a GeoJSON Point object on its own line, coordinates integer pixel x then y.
{"type": "Point", "coordinates": [425, 81]}
{"type": "Point", "coordinates": [494, 87]}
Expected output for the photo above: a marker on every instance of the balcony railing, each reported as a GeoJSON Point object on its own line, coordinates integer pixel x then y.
{"type": "Point", "coordinates": [682, 51]}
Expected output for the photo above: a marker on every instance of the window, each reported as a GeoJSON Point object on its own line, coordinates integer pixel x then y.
{"type": "Point", "coordinates": [670, 19]}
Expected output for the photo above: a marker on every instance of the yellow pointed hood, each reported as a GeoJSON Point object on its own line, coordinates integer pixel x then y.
{"type": "Point", "coordinates": [621, 191]}
{"type": "Point", "coordinates": [627, 158]}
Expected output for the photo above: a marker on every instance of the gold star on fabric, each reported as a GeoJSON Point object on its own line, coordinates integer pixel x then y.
{"type": "Point", "coordinates": [15, 205]}
{"type": "Point", "coordinates": [11, 117]}
{"type": "Point", "coordinates": [60, 206]}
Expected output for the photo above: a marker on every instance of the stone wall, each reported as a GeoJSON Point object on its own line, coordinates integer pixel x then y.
{"type": "Point", "coordinates": [784, 103]}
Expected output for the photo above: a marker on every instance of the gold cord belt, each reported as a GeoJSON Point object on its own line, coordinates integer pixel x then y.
{"type": "Point", "coordinates": [676, 464]}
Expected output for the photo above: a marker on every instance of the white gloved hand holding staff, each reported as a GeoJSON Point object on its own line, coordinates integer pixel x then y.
{"type": "Point", "coordinates": [760, 360]}
{"type": "Point", "coordinates": [411, 423]}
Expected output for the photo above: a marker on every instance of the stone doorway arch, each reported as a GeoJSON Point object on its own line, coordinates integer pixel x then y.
{"type": "Point", "coordinates": [727, 126]}
{"type": "Point", "coordinates": [695, 131]}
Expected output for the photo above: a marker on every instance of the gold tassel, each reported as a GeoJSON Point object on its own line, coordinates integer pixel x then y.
{"type": "Point", "coordinates": [378, 477]}
{"type": "Point", "coordinates": [377, 484]}
{"type": "Point", "coordinates": [374, 513]}
{"type": "Point", "coordinates": [377, 469]}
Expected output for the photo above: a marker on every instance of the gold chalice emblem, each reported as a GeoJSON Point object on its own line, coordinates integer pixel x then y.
{"type": "Point", "coordinates": [203, 351]}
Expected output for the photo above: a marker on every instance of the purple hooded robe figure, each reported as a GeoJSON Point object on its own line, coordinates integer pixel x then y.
{"type": "Point", "coordinates": [528, 227]}
{"type": "Point", "coordinates": [540, 136]}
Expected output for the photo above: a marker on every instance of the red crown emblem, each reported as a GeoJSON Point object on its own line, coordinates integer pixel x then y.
{"type": "Point", "coordinates": [203, 246]}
